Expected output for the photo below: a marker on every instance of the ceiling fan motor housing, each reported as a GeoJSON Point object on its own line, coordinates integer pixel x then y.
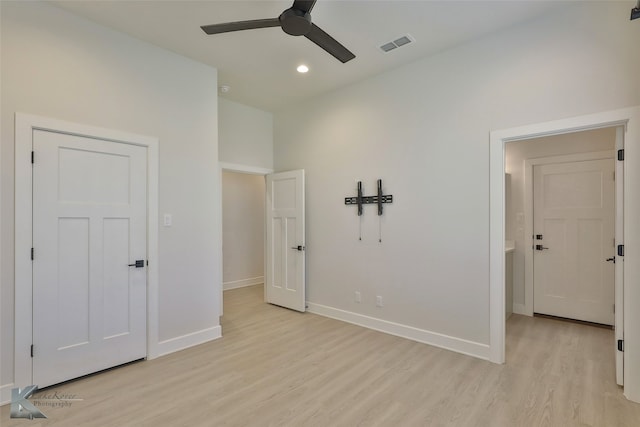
{"type": "Point", "coordinates": [295, 22]}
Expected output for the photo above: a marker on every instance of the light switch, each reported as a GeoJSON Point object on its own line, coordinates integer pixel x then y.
{"type": "Point", "coordinates": [167, 220]}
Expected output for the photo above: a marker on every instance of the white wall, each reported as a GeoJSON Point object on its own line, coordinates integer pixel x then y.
{"type": "Point", "coordinates": [242, 229]}
{"type": "Point", "coordinates": [515, 155]}
{"type": "Point", "coordinates": [424, 129]}
{"type": "Point", "coordinates": [58, 65]}
{"type": "Point", "coordinates": [246, 135]}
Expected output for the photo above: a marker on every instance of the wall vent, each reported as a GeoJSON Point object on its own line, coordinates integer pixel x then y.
{"type": "Point", "coordinates": [399, 42]}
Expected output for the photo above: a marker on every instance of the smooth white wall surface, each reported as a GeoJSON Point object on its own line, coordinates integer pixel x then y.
{"type": "Point", "coordinates": [424, 129]}
{"type": "Point", "coordinates": [246, 135]}
{"type": "Point", "coordinates": [242, 229]}
{"type": "Point", "coordinates": [515, 155]}
{"type": "Point", "coordinates": [57, 65]}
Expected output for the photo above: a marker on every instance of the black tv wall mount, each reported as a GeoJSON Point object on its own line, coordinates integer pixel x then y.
{"type": "Point", "coordinates": [359, 200]}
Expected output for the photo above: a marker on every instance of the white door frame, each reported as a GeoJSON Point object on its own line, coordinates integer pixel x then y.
{"type": "Point", "coordinates": [232, 167]}
{"type": "Point", "coordinates": [630, 119]}
{"type": "Point", "coordinates": [25, 124]}
{"type": "Point", "coordinates": [527, 307]}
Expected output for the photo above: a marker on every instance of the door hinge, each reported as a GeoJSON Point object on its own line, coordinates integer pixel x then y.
{"type": "Point", "coordinates": [621, 345]}
{"type": "Point", "coordinates": [620, 250]}
{"type": "Point", "coordinates": [31, 350]}
{"type": "Point", "coordinates": [32, 254]}
{"type": "Point", "coordinates": [33, 157]}
{"type": "Point", "coordinates": [621, 154]}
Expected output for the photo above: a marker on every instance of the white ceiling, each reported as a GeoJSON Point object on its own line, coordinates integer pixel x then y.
{"type": "Point", "coordinates": [259, 65]}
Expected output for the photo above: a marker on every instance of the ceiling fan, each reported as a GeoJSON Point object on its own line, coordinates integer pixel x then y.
{"type": "Point", "coordinates": [295, 21]}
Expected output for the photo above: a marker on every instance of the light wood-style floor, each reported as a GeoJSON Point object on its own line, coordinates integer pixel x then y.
{"type": "Point", "coordinates": [276, 367]}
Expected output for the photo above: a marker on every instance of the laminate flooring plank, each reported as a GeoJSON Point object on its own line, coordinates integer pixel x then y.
{"type": "Point", "coordinates": [277, 367]}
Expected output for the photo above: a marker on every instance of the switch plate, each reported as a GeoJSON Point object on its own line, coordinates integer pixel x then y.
{"type": "Point", "coordinates": [378, 301]}
{"type": "Point", "coordinates": [358, 297]}
{"type": "Point", "coordinates": [167, 220]}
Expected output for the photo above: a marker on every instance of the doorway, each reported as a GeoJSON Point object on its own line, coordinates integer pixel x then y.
{"type": "Point", "coordinates": [541, 169]}
{"type": "Point", "coordinates": [117, 149]}
{"type": "Point", "coordinates": [281, 205]}
{"type": "Point", "coordinates": [627, 119]}
{"type": "Point", "coordinates": [242, 216]}
{"type": "Point", "coordinates": [561, 215]}
{"type": "Point", "coordinates": [243, 204]}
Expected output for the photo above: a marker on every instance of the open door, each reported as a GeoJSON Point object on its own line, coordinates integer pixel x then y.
{"type": "Point", "coordinates": [285, 248]}
{"type": "Point", "coordinates": [619, 266]}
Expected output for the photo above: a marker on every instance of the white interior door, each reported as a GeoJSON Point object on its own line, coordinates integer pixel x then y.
{"type": "Point", "coordinates": [89, 224]}
{"type": "Point", "coordinates": [574, 213]}
{"type": "Point", "coordinates": [285, 270]}
{"type": "Point", "coordinates": [619, 315]}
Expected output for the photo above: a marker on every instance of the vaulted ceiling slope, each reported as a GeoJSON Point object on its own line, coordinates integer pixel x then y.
{"type": "Point", "coordinates": [260, 65]}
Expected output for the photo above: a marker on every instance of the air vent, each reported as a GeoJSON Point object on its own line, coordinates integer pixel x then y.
{"type": "Point", "coordinates": [389, 46]}
{"type": "Point", "coordinates": [400, 41]}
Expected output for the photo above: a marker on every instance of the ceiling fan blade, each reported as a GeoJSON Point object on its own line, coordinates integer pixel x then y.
{"type": "Point", "coordinates": [328, 43]}
{"type": "Point", "coordinates": [227, 27]}
{"type": "Point", "coordinates": [304, 5]}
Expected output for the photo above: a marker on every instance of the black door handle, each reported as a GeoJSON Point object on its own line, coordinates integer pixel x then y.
{"type": "Point", "coordinates": [540, 247]}
{"type": "Point", "coordinates": [138, 264]}
{"type": "Point", "coordinates": [612, 259]}
{"type": "Point", "coordinates": [298, 248]}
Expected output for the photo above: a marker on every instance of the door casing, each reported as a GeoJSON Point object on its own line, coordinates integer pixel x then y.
{"type": "Point", "coordinates": [23, 316]}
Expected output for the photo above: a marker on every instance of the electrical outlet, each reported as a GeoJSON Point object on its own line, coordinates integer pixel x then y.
{"type": "Point", "coordinates": [358, 297]}
{"type": "Point", "coordinates": [378, 301]}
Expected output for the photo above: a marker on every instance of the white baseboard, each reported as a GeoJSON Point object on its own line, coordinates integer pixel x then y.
{"type": "Point", "coordinates": [242, 283]}
{"type": "Point", "coordinates": [5, 393]}
{"type": "Point", "coordinates": [185, 341]}
{"type": "Point", "coordinates": [435, 339]}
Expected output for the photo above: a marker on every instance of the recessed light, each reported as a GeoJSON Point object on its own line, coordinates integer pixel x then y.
{"type": "Point", "coordinates": [302, 68]}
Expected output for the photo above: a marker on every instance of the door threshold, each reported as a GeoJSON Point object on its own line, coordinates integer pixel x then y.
{"type": "Point", "coordinates": [92, 374]}
{"type": "Point", "coordinates": [580, 322]}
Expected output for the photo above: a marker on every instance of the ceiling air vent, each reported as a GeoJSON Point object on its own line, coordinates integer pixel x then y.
{"type": "Point", "coordinates": [399, 42]}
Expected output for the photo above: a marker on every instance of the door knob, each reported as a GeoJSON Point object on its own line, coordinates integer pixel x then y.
{"type": "Point", "coordinates": [540, 247]}
{"type": "Point", "coordinates": [612, 259]}
{"type": "Point", "coordinates": [298, 248]}
{"type": "Point", "coordinates": [138, 264]}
